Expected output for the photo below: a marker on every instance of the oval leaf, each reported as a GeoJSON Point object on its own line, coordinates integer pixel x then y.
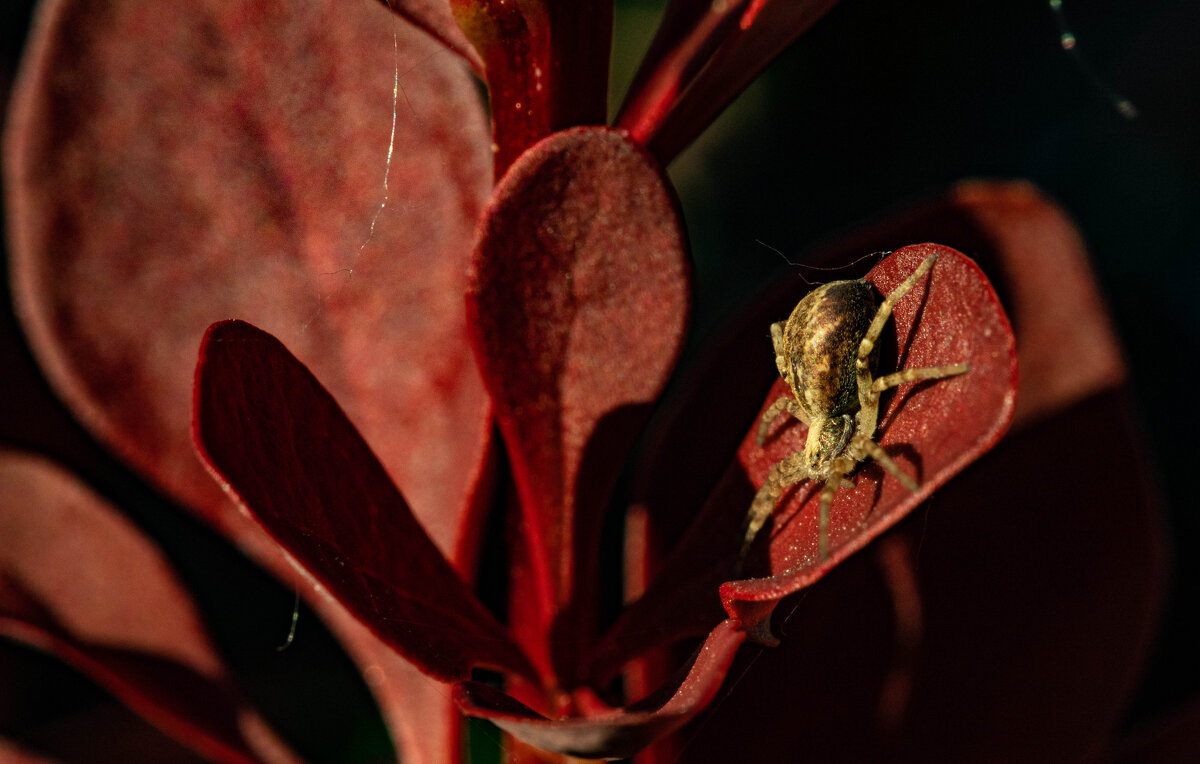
{"type": "Point", "coordinates": [289, 455]}
{"type": "Point", "coordinates": [931, 429]}
{"type": "Point", "coordinates": [249, 172]}
{"type": "Point", "coordinates": [577, 307]}
{"type": "Point", "coordinates": [681, 599]}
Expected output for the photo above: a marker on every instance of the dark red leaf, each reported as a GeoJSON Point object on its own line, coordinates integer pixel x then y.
{"type": "Point", "coordinates": [1173, 739]}
{"type": "Point", "coordinates": [577, 308]}
{"type": "Point", "coordinates": [980, 674]}
{"type": "Point", "coordinates": [620, 733]}
{"type": "Point", "coordinates": [1034, 256]}
{"type": "Point", "coordinates": [932, 429]}
{"type": "Point", "coordinates": [1039, 600]}
{"type": "Point", "coordinates": [106, 733]}
{"type": "Point", "coordinates": [243, 175]}
{"type": "Point", "coordinates": [704, 55]}
{"type": "Point", "coordinates": [547, 66]}
{"type": "Point", "coordinates": [287, 453]}
{"type": "Point", "coordinates": [79, 581]}
{"type": "Point", "coordinates": [1043, 572]}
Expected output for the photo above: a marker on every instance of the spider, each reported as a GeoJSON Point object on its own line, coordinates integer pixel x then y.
{"type": "Point", "coordinates": [825, 355]}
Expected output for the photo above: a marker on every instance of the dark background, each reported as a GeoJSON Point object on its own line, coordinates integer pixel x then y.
{"type": "Point", "coordinates": [879, 103]}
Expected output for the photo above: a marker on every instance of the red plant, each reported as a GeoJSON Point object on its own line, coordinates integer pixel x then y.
{"type": "Point", "coordinates": [148, 201]}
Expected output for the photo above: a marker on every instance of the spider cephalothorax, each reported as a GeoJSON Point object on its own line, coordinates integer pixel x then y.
{"type": "Point", "coordinates": [825, 354]}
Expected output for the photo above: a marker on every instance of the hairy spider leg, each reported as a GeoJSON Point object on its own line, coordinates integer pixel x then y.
{"type": "Point", "coordinates": [777, 344]}
{"type": "Point", "coordinates": [781, 404]}
{"type": "Point", "coordinates": [782, 476]}
{"type": "Point", "coordinates": [869, 389]}
{"type": "Point", "coordinates": [839, 468]}
{"type": "Point", "coordinates": [868, 447]}
{"type": "Point", "coordinates": [859, 450]}
{"type": "Point", "coordinates": [868, 398]}
{"type": "Point", "coordinates": [912, 375]}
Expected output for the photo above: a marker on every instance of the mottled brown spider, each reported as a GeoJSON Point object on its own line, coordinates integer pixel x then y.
{"type": "Point", "coordinates": [825, 355]}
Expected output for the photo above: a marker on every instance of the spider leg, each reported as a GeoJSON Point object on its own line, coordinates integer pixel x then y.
{"type": "Point", "coordinates": [781, 477]}
{"type": "Point", "coordinates": [781, 404]}
{"type": "Point", "coordinates": [885, 309]}
{"type": "Point", "coordinates": [827, 492]}
{"type": "Point", "coordinates": [868, 397]}
{"type": "Point", "coordinates": [777, 344]}
{"type": "Point", "coordinates": [837, 479]}
{"type": "Point", "coordinates": [876, 452]}
{"type": "Point", "coordinates": [912, 375]}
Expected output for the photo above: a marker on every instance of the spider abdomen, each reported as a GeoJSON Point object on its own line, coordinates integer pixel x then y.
{"type": "Point", "coordinates": [821, 340]}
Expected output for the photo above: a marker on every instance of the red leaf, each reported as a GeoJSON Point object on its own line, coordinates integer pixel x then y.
{"type": "Point", "coordinates": [1035, 257]}
{"type": "Point", "coordinates": [1039, 601]}
{"type": "Point", "coordinates": [78, 580]}
{"type": "Point", "coordinates": [547, 66]}
{"type": "Point", "coordinates": [577, 308]}
{"type": "Point", "coordinates": [962, 317]}
{"type": "Point", "coordinates": [289, 455]}
{"type": "Point", "coordinates": [932, 430]}
{"type": "Point", "coordinates": [620, 733]}
{"type": "Point", "coordinates": [703, 55]}
{"type": "Point", "coordinates": [243, 175]}
{"type": "Point", "coordinates": [1058, 533]}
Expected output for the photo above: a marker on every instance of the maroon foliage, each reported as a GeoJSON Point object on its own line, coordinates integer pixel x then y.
{"type": "Point", "coordinates": [703, 55]}
{"type": "Point", "coordinates": [616, 734]}
{"type": "Point", "coordinates": [290, 456]}
{"type": "Point", "coordinates": [248, 173]}
{"type": "Point", "coordinates": [577, 308]}
{"type": "Point", "coordinates": [933, 429]}
{"type": "Point", "coordinates": [244, 174]}
{"type": "Point", "coordinates": [78, 580]}
{"type": "Point", "coordinates": [546, 65]}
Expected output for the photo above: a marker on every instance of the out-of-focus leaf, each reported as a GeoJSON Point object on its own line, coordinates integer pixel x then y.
{"type": "Point", "coordinates": [172, 166]}
{"type": "Point", "coordinates": [79, 581]}
{"type": "Point", "coordinates": [703, 55]}
{"type": "Point", "coordinates": [434, 17]}
{"type": "Point", "coordinates": [169, 167]}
